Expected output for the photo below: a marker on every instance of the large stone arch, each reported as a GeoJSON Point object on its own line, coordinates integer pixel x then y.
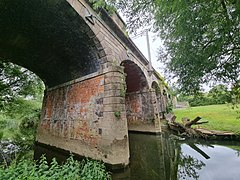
{"type": "Point", "coordinates": [50, 39]}
{"type": "Point", "coordinates": [57, 41]}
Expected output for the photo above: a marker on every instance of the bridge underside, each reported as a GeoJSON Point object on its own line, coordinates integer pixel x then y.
{"type": "Point", "coordinates": [89, 104]}
{"type": "Point", "coordinates": [47, 37]}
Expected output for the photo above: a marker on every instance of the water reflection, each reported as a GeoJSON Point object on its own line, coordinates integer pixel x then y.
{"type": "Point", "coordinates": [166, 157]}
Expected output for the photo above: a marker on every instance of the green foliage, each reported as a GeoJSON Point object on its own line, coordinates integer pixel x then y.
{"type": "Point", "coordinates": [18, 126]}
{"type": "Point", "coordinates": [217, 95]}
{"type": "Point", "coordinates": [20, 115]}
{"type": "Point", "coordinates": [21, 107]}
{"type": "Point", "coordinates": [21, 95]}
{"type": "Point", "coordinates": [24, 135]}
{"type": "Point", "coordinates": [102, 4]}
{"type": "Point", "coordinates": [235, 94]}
{"type": "Point", "coordinates": [17, 82]}
{"type": "Point", "coordinates": [220, 95]}
{"type": "Point", "coordinates": [117, 114]}
{"type": "Point", "coordinates": [138, 13]}
{"type": "Point", "coordinates": [70, 170]}
{"type": "Point", "coordinates": [3, 124]}
{"type": "Point", "coordinates": [1, 135]}
{"type": "Point", "coordinates": [169, 107]}
{"type": "Point", "coordinates": [201, 38]}
{"type": "Point", "coordinates": [20, 104]}
{"type": "Point", "coordinates": [94, 170]}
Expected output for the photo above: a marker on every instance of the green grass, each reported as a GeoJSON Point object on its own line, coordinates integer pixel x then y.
{"type": "Point", "coordinates": [220, 117]}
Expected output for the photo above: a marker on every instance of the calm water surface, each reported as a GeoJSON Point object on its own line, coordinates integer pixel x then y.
{"type": "Point", "coordinates": [165, 157]}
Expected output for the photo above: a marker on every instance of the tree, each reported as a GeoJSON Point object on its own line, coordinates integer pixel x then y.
{"type": "Point", "coordinates": [20, 104]}
{"type": "Point", "coordinates": [219, 94]}
{"type": "Point", "coordinates": [17, 82]}
{"type": "Point", "coordinates": [201, 38]}
{"type": "Point", "coordinates": [202, 41]}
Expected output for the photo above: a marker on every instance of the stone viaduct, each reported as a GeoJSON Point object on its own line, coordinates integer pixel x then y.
{"type": "Point", "coordinates": [98, 84]}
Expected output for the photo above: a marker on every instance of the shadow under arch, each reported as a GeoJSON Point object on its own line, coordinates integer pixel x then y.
{"type": "Point", "coordinates": [135, 78]}
{"type": "Point", "coordinates": [139, 109]}
{"type": "Point", "coordinates": [49, 38]}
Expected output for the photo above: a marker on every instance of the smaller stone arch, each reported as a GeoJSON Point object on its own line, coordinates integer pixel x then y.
{"type": "Point", "coordinates": [155, 86]}
{"type": "Point", "coordinates": [135, 78]}
{"type": "Point", "coordinates": [138, 98]}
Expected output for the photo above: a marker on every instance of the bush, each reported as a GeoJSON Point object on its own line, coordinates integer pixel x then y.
{"type": "Point", "coordinates": [70, 170]}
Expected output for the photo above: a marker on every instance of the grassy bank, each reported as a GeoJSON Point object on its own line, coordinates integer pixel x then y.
{"type": "Point", "coordinates": [220, 117]}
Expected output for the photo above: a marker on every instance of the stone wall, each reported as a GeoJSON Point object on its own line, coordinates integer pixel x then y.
{"type": "Point", "coordinates": [73, 111]}
{"type": "Point", "coordinates": [139, 108]}
{"type": "Point", "coordinates": [81, 118]}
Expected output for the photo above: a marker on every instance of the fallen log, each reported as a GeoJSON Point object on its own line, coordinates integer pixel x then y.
{"type": "Point", "coordinates": [187, 123]}
{"type": "Point", "coordinates": [185, 127]}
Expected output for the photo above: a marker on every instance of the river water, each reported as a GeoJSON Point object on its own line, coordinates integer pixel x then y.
{"type": "Point", "coordinates": [168, 157]}
{"type": "Point", "coordinates": [164, 157]}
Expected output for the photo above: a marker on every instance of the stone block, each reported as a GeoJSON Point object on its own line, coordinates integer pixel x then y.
{"type": "Point", "coordinates": [113, 100]}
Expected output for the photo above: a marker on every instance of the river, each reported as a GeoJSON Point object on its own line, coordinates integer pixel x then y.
{"type": "Point", "coordinates": [164, 157]}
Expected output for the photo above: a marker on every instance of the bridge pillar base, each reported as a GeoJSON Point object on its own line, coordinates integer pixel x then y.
{"type": "Point", "coordinates": [87, 117]}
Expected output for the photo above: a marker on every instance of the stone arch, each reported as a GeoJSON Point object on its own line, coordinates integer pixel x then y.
{"type": "Point", "coordinates": [135, 78]}
{"type": "Point", "coordinates": [156, 87]}
{"type": "Point", "coordinates": [139, 109]}
{"type": "Point", "coordinates": [50, 39]}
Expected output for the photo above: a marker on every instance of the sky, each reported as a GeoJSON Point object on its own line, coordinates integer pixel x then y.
{"type": "Point", "coordinates": [155, 44]}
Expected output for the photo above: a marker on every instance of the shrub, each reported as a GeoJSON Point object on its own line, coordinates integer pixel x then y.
{"type": "Point", "coordinates": [70, 170]}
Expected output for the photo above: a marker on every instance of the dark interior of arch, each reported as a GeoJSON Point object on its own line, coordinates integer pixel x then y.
{"type": "Point", "coordinates": [135, 79]}
{"type": "Point", "coordinates": [47, 37]}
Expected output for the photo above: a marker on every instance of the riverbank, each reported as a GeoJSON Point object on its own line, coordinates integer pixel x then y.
{"type": "Point", "coordinates": [219, 117]}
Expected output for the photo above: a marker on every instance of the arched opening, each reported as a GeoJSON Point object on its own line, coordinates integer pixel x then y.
{"type": "Point", "coordinates": [49, 38]}
{"type": "Point", "coordinates": [139, 110]}
{"type": "Point", "coordinates": [157, 89]}
{"type": "Point", "coordinates": [21, 93]}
